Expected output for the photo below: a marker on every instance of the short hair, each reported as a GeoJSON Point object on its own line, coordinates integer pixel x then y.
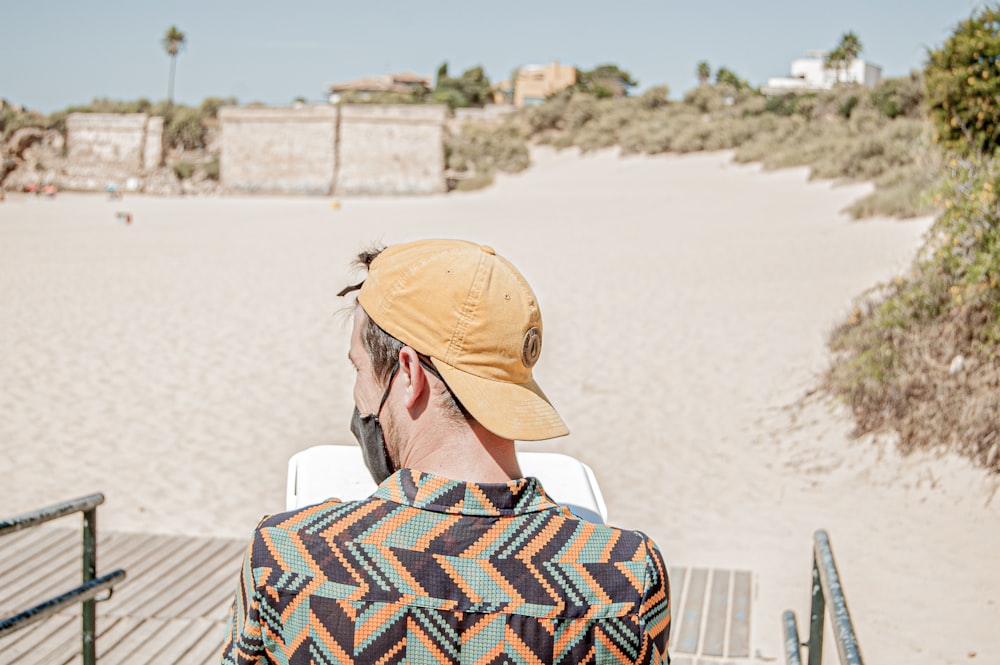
{"type": "Point", "coordinates": [383, 349]}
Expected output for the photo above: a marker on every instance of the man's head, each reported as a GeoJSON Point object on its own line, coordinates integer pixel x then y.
{"type": "Point", "coordinates": [470, 319]}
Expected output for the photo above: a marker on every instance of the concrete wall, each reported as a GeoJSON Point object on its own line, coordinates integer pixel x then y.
{"type": "Point", "coordinates": [346, 149]}
{"type": "Point", "coordinates": [391, 149]}
{"type": "Point", "coordinates": [153, 150]}
{"type": "Point", "coordinates": [279, 150]}
{"type": "Point", "coordinates": [103, 148]}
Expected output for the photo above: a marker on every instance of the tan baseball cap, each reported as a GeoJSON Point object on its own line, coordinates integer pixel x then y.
{"type": "Point", "coordinates": [477, 319]}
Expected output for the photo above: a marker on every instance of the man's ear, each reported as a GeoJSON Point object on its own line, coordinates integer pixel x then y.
{"type": "Point", "coordinates": [413, 376]}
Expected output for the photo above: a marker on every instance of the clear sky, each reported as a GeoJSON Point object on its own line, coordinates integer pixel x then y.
{"type": "Point", "coordinates": [66, 52]}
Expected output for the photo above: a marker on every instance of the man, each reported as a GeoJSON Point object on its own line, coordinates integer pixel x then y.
{"type": "Point", "coordinates": [456, 558]}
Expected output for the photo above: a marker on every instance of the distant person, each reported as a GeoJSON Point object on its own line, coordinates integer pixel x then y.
{"type": "Point", "coordinates": [456, 558]}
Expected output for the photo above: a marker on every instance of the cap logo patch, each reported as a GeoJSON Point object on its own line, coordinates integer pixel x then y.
{"type": "Point", "coordinates": [532, 347]}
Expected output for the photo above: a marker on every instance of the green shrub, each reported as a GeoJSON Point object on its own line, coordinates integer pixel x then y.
{"type": "Point", "coordinates": [903, 96]}
{"type": "Point", "coordinates": [474, 182]}
{"type": "Point", "coordinates": [478, 151]}
{"type": "Point", "coordinates": [11, 121]}
{"type": "Point", "coordinates": [184, 170]}
{"type": "Point", "coordinates": [963, 85]}
{"type": "Point", "coordinates": [211, 168]}
{"type": "Point", "coordinates": [185, 129]}
{"type": "Point", "coordinates": [210, 106]}
{"type": "Point", "coordinates": [655, 98]}
{"type": "Point", "coordinates": [900, 193]}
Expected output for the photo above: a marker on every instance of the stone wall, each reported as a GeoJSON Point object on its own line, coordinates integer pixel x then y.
{"type": "Point", "coordinates": [279, 150]}
{"type": "Point", "coordinates": [110, 148]}
{"type": "Point", "coordinates": [346, 149]}
{"type": "Point", "coordinates": [391, 149]}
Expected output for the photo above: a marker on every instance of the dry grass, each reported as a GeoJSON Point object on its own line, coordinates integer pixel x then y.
{"type": "Point", "coordinates": [477, 152]}
{"type": "Point", "coordinates": [848, 133]}
{"type": "Point", "coordinates": [935, 383]}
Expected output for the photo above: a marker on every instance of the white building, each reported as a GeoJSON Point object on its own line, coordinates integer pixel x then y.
{"type": "Point", "coordinates": [810, 74]}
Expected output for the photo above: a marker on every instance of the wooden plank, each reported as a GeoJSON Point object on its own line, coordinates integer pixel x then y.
{"type": "Point", "coordinates": [144, 558]}
{"type": "Point", "coordinates": [190, 642]}
{"type": "Point", "coordinates": [206, 649]}
{"type": "Point", "coordinates": [676, 577]}
{"type": "Point", "coordinates": [110, 638]}
{"type": "Point", "coordinates": [151, 650]}
{"type": "Point", "coordinates": [217, 583]}
{"type": "Point", "coordinates": [691, 614]}
{"type": "Point", "coordinates": [18, 550]}
{"type": "Point", "coordinates": [127, 550]}
{"type": "Point", "coordinates": [136, 640]}
{"type": "Point", "coordinates": [59, 646]}
{"type": "Point", "coordinates": [48, 576]}
{"type": "Point", "coordinates": [224, 607]}
{"type": "Point", "coordinates": [739, 621]}
{"type": "Point", "coordinates": [151, 583]}
{"type": "Point", "coordinates": [718, 612]}
{"type": "Point", "coordinates": [24, 591]}
{"type": "Point", "coordinates": [25, 641]}
{"type": "Point", "coordinates": [190, 574]}
{"type": "Point", "coordinates": [215, 602]}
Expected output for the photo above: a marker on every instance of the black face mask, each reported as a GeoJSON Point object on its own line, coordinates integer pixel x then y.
{"type": "Point", "coordinates": [368, 431]}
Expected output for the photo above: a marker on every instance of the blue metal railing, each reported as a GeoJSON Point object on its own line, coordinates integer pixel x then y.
{"type": "Point", "coordinates": [826, 588]}
{"type": "Point", "coordinates": [92, 585]}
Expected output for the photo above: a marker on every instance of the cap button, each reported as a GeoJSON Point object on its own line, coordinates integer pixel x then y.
{"type": "Point", "coordinates": [488, 250]}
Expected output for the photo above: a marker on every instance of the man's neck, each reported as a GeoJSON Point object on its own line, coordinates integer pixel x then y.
{"type": "Point", "coordinates": [461, 451]}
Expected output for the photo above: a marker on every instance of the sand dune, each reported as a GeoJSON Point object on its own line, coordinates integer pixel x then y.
{"type": "Point", "coordinates": [175, 364]}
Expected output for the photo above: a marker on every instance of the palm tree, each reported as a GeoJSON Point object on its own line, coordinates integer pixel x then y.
{"type": "Point", "coordinates": [844, 55]}
{"type": "Point", "coordinates": [851, 47]}
{"type": "Point", "coordinates": [835, 61]}
{"type": "Point", "coordinates": [173, 41]}
{"type": "Point", "coordinates": [704, 72]}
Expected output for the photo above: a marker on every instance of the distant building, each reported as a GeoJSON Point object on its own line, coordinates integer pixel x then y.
{"type": "Point", "coordinates": [405, 83]}
{"type": "Point", "coordinates": [810, 74]}
{"type": "Point", "coordinates": [503, 93]}
{"type": "Point", "coordinates": [536, 82]}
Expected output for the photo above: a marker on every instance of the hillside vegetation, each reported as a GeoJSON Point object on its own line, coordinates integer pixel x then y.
{"type": "Point", "coordinates": [850, 133]}
{"type": "Point", "coordinates": [919, 355]}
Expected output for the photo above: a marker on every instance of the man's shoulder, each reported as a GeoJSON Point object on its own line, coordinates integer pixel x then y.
{"type": "Point", "coordinates": [307, 517]}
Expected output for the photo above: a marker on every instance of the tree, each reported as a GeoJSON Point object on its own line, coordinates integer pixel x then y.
{"type": "Point", "coordinates": [844, 54]}
{"type": "Point", "coordinates": [472, 88]}
{"type": "Point", "coordinates": [834, 61]}
{"type": "Point", "coordinates": [726, 76]}
{"type": "Point", "coordinates": [704, 72]}
{"type": "Point", "coordinates": [606, 80]}
{"type": "Point", "coordinates": [173, 41]}
{"type": "Point", "coordinates": [963, 85]}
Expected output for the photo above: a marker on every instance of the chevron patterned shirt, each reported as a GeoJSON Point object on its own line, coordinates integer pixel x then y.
{"type": "Point", "coordinates": [431, 570]}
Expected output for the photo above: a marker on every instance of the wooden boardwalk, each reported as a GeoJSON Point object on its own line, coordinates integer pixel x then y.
{"type": "Point", "coordinates": [711, 611]}
{"type": "Point", "coordinates": [172, 607]}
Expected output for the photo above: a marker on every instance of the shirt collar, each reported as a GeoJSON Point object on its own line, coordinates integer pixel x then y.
{"type": "Point", "coordinates": [443, 495]}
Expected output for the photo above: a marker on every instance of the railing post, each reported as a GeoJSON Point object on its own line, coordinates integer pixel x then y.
{"type": "Point", "coordinates": [790, 633]}
{"type": "Point", "coordinates": [840, 618]}
{"type": "Point", "coordinates": [816, 616]}
{"type": "Point", "coordinates": [89, 572]}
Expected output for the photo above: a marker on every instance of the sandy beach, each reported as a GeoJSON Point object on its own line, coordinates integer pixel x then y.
{"type": "Point", "coordinates": [176, 363]}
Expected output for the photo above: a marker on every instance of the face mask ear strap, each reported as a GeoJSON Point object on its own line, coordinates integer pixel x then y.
{"type": "Point", "coordinates": [388, 386]}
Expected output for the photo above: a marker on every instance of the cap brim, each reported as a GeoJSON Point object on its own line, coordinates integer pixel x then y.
{"type": "Point", "coordinates": [514, 411]}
